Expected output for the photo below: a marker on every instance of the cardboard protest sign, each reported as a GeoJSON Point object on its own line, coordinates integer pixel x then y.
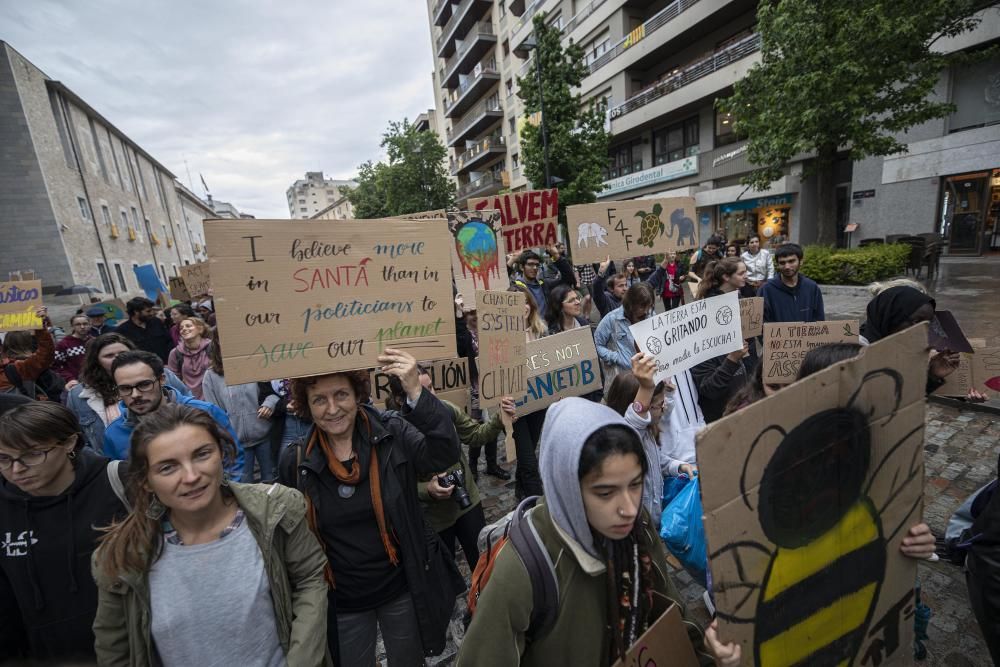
{"type": "Point", "coordinates": [437, 214]}
{"type": "Point", "coordinates": [786, 343]}
{"type": "Point", "coordinates": [24, 274]}
{"type": "Point", "coordinates": [752, 316]}
{"type": "Point", "coordinates": [114, 310]}
{"type": "Point", "coordinates": [304, 298]}
{"type": "Point", "coordinates": [666, 642]}
{"type": "Point", "coordinates": [946, 335]}
{"type": "Point", "coordinates": [565, 364]}
{"type": "Point", "coordinates": [502, 346]}
{"type": "Point", "coordinates": [178, 289]}
{"type": "Point", "coordinates": [689, 334]}
{"type": "Point", "coordinates": [633, 227]}
{"type": "Point", "coordinates": [478, 257]}
{"type": "Point", "coordinates": [196, 277]}
{"type": "Point", "coordinates": [986, 371]}
{"type": "Point", "coordinates": [529, 219]}
{"type": "Point", "coordinates": [958, 383]}
{"type": "Point", "coordinates": [807, 496]}
{"type": "Point", "coordinates": [449, 378]}
{"type": "Point", "coordinates": [19, 299]}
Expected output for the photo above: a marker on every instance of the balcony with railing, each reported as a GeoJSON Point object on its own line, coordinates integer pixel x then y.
{"type": "Point", "coordinates": [485, 149]}
{"type": "Point", "coordinates": [441, 12]}
{"type": "Point", "coordinates": [486, 184]}
{"type": "Point", "coordinates": [688, 74]}
{"type": "Point", "coordinates": [476, 120]}
{"type": "Point", "coordinates": [657, 21]}
{"type": "Point", "coordinates": [465, 15]}
{"type": "Point", "coordinates": [483, 77]}
{"type": "Point", "coordinates": [516, 7]}
{"type": "Point", "coordinates": [523, 28]}
{"type": "Point", "coordinates": [480, 39]}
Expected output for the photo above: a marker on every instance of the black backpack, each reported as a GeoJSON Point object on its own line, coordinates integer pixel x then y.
{"type": "Point", "coordinates": [49, 383]}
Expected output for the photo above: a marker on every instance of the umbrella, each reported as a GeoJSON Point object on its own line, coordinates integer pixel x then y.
{"type": "Point", "coordinates": [78, 289]}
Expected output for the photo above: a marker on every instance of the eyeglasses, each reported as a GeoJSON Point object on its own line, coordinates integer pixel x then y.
{"type": "Point", "coordinates": [531, 265]}
{"type": "Point", "coordinates": [33, 458]}
{"type": "Point", "coordinates": [125, 390]}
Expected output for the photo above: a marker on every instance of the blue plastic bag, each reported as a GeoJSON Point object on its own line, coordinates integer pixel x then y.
{"type": "Point", "coordinates": [683, 532]}
{"type": "Point", "coordinates": [672, 486]}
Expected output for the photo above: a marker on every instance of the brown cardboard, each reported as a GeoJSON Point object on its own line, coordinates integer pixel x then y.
{"type": "Point", "coordinates": [786, 344]}
{"type": "Point", "coordinates": [436, 214]}
{"type": "Point", "coordinates": [740, 456]}
{"type": "Point", "coordinates": [666, 642]}
{"type": "Point", "coordinates": [502, 346]}
{"type": "Point", "coordinates": [958, 383]}
{"type": "Point", "coordinates": [19, 299]}
{"type": "Point", "coordinates": [615, 228]}
{"type": "Point", "coordinates": [561, 365]}
{"type": "Point", "coordinates": [752, 316]}
{"type": "Point", "coordinates": [178, 289]}
{"type": "Point", "coordinates": [478, 257]}
{"type": "Point", "coordinates": [449, 379]}
{"type": "Point", "coordinates": [986, 371]}
{"type": "Point", "coordinates": [529, 219]}
{"type": "Point", "coordinates": [196, 276]}
{"type": "Point", "coordinates": [296, 298]}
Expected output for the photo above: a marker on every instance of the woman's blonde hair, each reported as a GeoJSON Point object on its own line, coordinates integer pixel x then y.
{"type": "Point", "coordinates": [878, 287]}
{"type": "Point", "coordinates": [202, 325]}
{"type": "Point", "coordinates": [534, 324]}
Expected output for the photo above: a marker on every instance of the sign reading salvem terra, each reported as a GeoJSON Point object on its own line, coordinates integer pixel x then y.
{"type": "Point", "coordinates": [665, 172]}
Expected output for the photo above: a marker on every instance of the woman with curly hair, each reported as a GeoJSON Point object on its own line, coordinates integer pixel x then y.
{"type": "Point", "coordinates": [358, 468]}
{"type": "Point", "coordinates": [95, 401]}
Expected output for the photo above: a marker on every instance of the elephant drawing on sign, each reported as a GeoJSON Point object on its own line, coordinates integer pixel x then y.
{"type": "Point", "coordinates": [590, 230]}
{"type": "Point", "coordinates": [686, 224]}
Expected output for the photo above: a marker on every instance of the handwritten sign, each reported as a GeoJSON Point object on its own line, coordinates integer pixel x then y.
{"type": "Point", "coordinates": [449, 379]}
{"type": "Point", "coordinates": [529, 219]}
{"type": "Point", "coordinates": [752, 316]}
{"type": "Point", "coordinates": [986, 371]}
{"type": "Point", "coordinates": [304, 298]}
{"type": "Point", "coordinates": [633, 227]}
{"type": "Point", "coordinates": [18, 301]}
{"type": "Point", "coordinates": [959, 382]}
{"type": "Point", "coordinates": [565, 364]}
{"type": "Point", "coordinates": [502, 346]}
{"type": "Point", "coordinates": [178, 289]}
{"type": "Point", "coordinates": [664, 643]}
{"type": "Point", "coordinates": [684, 337]}
{"type": "Point", "coordinates": [196, 278]}
{"type": "Point", "coordinates": [786, 343]}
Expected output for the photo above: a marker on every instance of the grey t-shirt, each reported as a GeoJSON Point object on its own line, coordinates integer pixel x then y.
{"type": "Point", "coordinates": [211, 604]}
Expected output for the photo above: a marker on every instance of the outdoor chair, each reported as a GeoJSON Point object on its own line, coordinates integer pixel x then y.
{"type": "Point", "coordinates": [867, 242]}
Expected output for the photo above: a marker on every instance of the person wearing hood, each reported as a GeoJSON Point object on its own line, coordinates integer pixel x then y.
{"type": "Point", "coordinates": [141, 382]}
{"type": "Point", "coordinates": [193, 354]}
{"type": "Point", "coordinates": [598, 536]}
{"type": "Point", "coordinates": [790, 296]}
{"type": "Point", "coordinates": [54, 496]}
{"type": "Point", "coordinates": [207, 311]}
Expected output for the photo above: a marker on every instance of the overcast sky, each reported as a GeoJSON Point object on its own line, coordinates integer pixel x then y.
{"type": "Point", "coordinates": [252, 94]}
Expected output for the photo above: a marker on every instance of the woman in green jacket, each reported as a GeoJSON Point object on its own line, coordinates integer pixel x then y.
{"type": "Point", "coordinates": [205, 571]}
{"type": "Point", "coordinates": [598, 537]}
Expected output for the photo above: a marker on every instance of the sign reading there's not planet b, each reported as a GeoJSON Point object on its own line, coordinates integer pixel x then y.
{"type": "Point", "coordinates": [561, 365]}
{"type": "Point", "coordinates": [304, 298]}
{"type": "Point", "coordinates": [690, 334]}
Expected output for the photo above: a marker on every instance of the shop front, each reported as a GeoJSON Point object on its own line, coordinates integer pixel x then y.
{"type": "Point", "coordinates": [970, 212]}
{"type": "Point", "coordinates": [766, 217]}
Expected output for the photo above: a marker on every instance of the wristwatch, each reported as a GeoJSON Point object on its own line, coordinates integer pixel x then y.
{"type": "Point", "coordinates": [638, 407]}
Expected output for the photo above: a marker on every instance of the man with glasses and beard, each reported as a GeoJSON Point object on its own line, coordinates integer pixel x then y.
{"type": "Point", "coordinates": [141, 385]}
{"type": "Point", "coordinates": [145, 329]}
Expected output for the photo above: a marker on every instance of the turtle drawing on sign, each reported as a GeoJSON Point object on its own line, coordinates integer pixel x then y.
{"type": "Point", "coordinates": [686, 225]}
{"type": "Point", "coordinates": [476, 246]}
{"type": "Point", "coordinates": [651, 226]}
{"type": "Point", "coordinates": [814, 602]}
{"type": "Point", "coordinates": [590, 230]}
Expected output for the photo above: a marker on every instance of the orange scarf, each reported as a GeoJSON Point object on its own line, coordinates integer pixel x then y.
{"type": "Point", "coordinates": [340, 472]}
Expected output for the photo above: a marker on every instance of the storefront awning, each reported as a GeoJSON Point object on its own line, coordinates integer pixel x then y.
{"type": "Point", "coordinates": [761, 202]}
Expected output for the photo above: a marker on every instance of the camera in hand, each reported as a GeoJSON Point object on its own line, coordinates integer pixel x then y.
{"type": "Point", "coordinates": [456, 478]}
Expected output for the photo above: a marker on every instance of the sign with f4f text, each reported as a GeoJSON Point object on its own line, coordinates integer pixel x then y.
{"type": "Point", "coordinates": [306, 298]}
{"type": "Point", "coordinates": [630, 228]}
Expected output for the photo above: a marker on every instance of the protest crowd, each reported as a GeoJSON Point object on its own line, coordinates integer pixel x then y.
{"type": "Point", "coordinates": [153, 513]}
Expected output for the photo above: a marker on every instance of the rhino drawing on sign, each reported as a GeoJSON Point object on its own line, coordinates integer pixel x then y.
{"type": "Point", "coordinates": [686, 224]}
{"type": "Point", "coordinates": [590, 230]}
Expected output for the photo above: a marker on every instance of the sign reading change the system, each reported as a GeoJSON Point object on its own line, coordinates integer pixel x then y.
{"type": "Point", "coordinates": [786, 344]}
{"type": "Point", "coordinates": [18, 301]}
{"type": "Point", "coordinates": [634, 227]}
{"type": "Point", "coordinates": [303, 298]}
{"type": "Point", "coordinates": [686, 336]}
{"type": "Point", "coordinates": [502, 347]}
{"type": "Point", "coordinates": [565, 364]}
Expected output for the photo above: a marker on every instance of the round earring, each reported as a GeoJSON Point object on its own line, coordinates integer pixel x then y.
{"type": "Point", "coordinates": [156, 509]}
{"type": "Point", "coordinates": [71, 455]}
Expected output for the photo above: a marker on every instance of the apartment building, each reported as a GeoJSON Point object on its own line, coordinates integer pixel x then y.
{"type": "Point", "coordinates": [660, 66]}
{"type": "Point", "coordinates": [310, 195]}
{"type": "Point", "coordinates": [81, 202]}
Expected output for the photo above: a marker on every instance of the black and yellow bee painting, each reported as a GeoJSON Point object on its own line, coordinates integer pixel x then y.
{"type": "Point", "coordinates": [804, 534]}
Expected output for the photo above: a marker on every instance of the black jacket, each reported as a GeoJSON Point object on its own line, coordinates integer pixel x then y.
{"type": "Point", "coordinates": [605, 300]}
{"type": "Point", "coordinates": [415, 442]}
{"type": "Point", "coordinates": [154, 338]}
{"type": "Point", "coordinates": [47, 596]}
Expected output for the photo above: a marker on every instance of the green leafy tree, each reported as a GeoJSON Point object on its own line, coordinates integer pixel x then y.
{"type": "Point", "coordinates": [838, 76]}
{"type": "Point", "coordinates": [577, 140]}
{"type": "Point", "coordinates": [414, 178]}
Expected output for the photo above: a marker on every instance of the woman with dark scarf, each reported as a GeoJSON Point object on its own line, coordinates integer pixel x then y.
{"type": "Point", "coordinates": [358, 468]}
{"type": "Point", "coordinates": [608, 560]}
{"type": "Point", "coordinates": [901, 307]}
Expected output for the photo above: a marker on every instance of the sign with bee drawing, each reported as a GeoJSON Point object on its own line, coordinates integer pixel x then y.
{"type": "Point", "coordinates": [631, 228]}
{"type": "Point", "coordinates": [807, 495]}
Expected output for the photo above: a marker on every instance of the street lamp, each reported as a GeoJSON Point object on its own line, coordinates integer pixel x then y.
{"type": "Point", "coordinates": [531, 44]}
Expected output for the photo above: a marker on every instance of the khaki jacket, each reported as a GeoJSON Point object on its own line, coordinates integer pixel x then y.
{"type": "Point", "coordinates": [496, 636]}
{"type": "Point", "coordinates": [294, 562]}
